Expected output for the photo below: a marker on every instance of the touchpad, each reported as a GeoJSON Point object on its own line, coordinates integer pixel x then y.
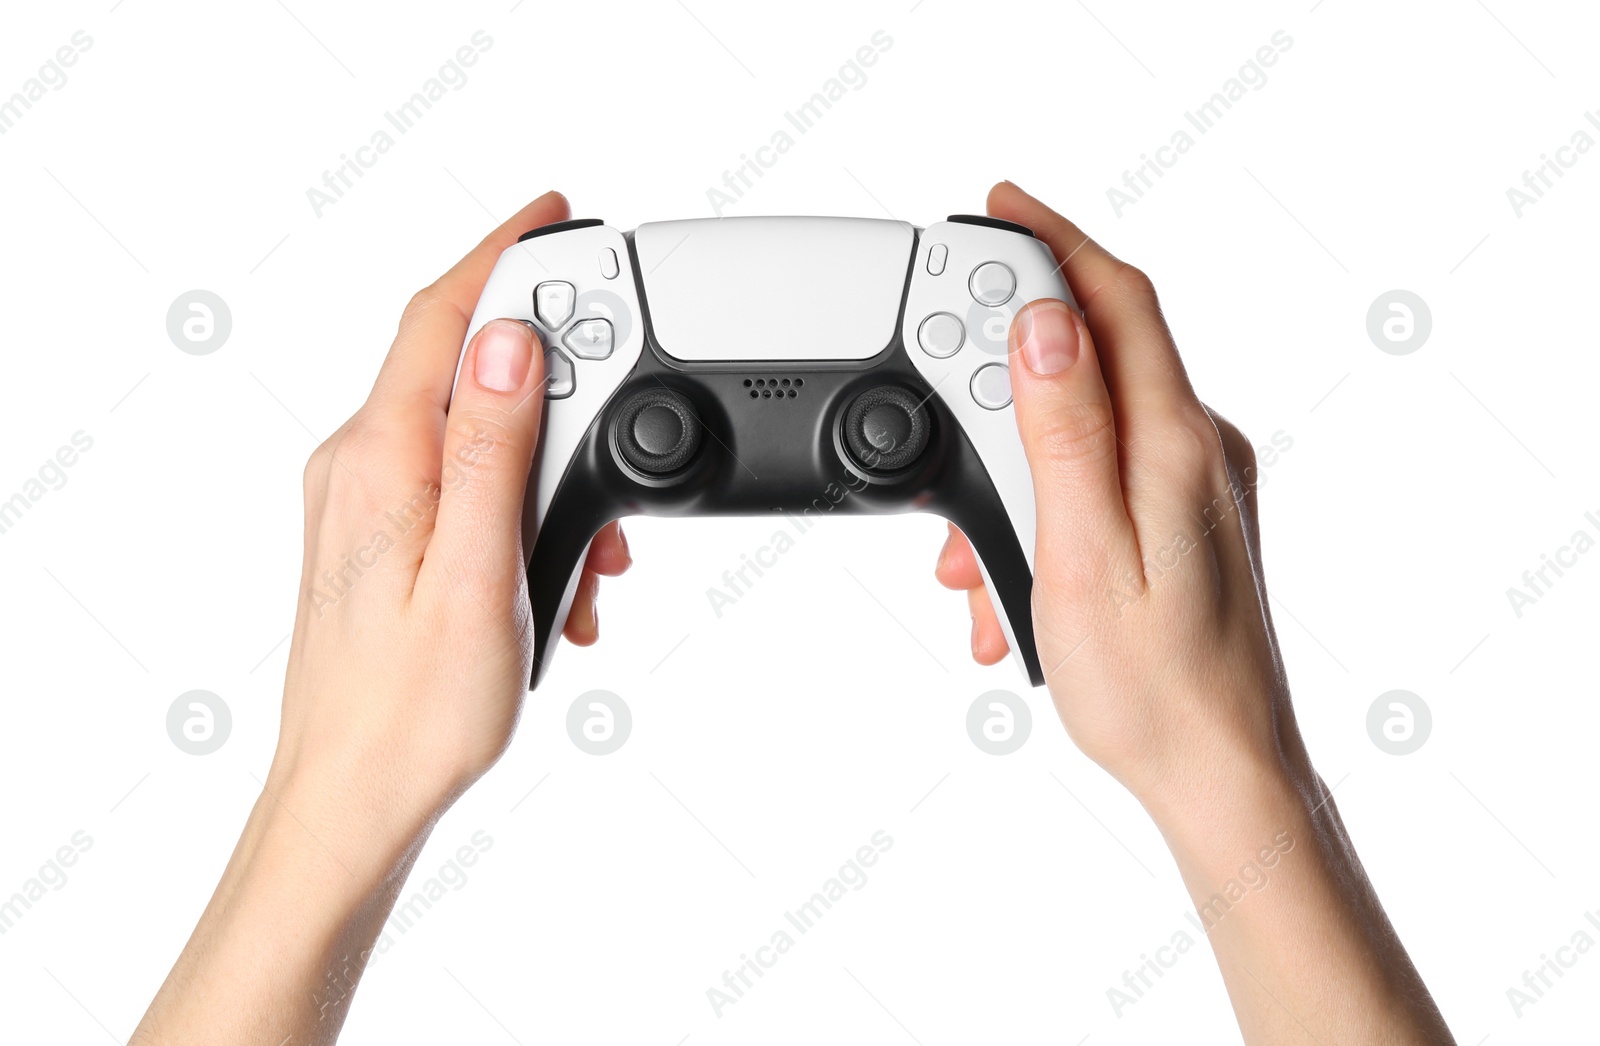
{"type": "Point", "coordinates": [774, 288]}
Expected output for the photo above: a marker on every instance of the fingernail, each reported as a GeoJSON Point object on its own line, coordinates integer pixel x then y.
{"type": "Point", "coordinates": [505, 350]}
{"type": "Point", "coordinates": [623, 540]}
{"type": "Point", "coordinates": [1047, 337]}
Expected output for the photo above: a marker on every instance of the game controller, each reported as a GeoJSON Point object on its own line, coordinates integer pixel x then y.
{"type": "Point", "coordinates": [744, 366]}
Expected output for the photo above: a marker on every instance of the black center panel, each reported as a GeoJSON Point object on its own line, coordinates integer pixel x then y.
{"type": "Point", "coordinates": [772, 440]}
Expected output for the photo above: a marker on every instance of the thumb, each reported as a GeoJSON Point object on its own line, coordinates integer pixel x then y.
{"type": "Point", "coordinates": [1070, 435]}
{"type": "Point", "coordinates": [489, 439]}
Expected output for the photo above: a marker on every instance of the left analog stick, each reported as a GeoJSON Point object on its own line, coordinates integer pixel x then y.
{"type": "Point", "coordinates": [658, 432]}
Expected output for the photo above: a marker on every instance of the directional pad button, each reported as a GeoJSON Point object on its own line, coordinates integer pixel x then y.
{"type": "Point", "coordinates": [591, 339]}
{"type": "Point", "coordinates": [557, 375]}
{"type": "Point", "coordinates": [553, 302]}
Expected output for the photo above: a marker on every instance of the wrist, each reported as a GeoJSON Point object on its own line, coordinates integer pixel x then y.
{"type": "Point", "coordinates": [381, 781]}
{"type": "Point", "coordinates": [362, 826]}
{"type": "Point", "coordinates": [291, 923]}
{"type": "Point", "coordinates": [1236, 801]}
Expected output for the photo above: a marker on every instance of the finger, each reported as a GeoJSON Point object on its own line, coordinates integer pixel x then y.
{"type": "Point", "coordinates": [1139, 359]}
{"type": "Point", "coordinates": [1069, 433]}
{"type": "Point", "coordinates": [608, 556]}
{"type": "Point", "coordinates": [583, 620]}
{"type": "Point", "coordinates": [988, 638]}
{"type": "Point", "coordinates": [958, 564]}
{"type": "Point", "coordinates": [488, 450]}
{"type": "Point", "coordinates": [1087, 266]}
{"type": "Point", "coordinates": [958, 569]}
{"type": "Point", "coordinates": [422, 362]}
{"type": "Point", "coordinates": [608, 552]}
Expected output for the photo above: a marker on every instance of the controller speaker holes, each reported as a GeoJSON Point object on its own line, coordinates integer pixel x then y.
{"type": "Point", "coordinates": [774, 388]}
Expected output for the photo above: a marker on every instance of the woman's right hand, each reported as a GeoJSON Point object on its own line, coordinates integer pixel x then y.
{"type": "Point", "coordinates": [1151, 617]}
{"type": "Point", "coordinates": [1149, 605]}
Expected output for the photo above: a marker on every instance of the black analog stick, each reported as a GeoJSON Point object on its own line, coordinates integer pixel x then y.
{"type": "Point", "coordinates": [657, 431]}
{"type": "Point", "coordinates": [886, 428]}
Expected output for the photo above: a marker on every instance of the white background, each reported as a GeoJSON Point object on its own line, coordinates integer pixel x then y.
{"type": "Point", "coordinates": [770, 744]}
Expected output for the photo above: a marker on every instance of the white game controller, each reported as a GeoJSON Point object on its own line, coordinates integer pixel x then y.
{"type": "Point", "coordinates": [738, 366]}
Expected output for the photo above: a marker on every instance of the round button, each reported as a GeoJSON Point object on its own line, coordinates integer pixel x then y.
{"type": "Point", "coordinates": [991, 386]}
{"type": "Point", "coordinates": [992, 283]}
{"type": "Point", "coordinates": [941, 335]}
{"type": "Point", "coordinates": [657, 431]}
{"type": "Point", "coordinates": [886, 428]}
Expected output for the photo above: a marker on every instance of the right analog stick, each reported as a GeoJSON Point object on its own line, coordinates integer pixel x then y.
{"type": "Point", "coordinates": [886, 428]}
{"type": "Point", "coordinates": [658, 432]}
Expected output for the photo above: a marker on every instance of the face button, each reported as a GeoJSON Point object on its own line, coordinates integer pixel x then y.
{"type": "Point", "coordinates": [941, 335]}
{"type": "Point", "coordinates": [936, 258]}
{"type": "Point", "coordinates": [590, 339]}
{"type": "Point", "coordinates": [552, 303]}
{"type": "Point", "coordinates": [558, 379]}
{"type": "Point", "coordinates": [992, 283]}
{"type": "Point", "coordinates": [991, 386]}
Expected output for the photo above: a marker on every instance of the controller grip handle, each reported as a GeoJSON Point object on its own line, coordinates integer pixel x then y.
{"type": "Point", "coordinates": [556, 542]}
{"type": "Point", "coordinates": [1007, 577]}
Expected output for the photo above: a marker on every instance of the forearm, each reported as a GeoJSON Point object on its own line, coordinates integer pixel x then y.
{"type": "Point", "coordinates": [1303, 944]}
{"type": "Point", "coordinates": [278, 951]}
